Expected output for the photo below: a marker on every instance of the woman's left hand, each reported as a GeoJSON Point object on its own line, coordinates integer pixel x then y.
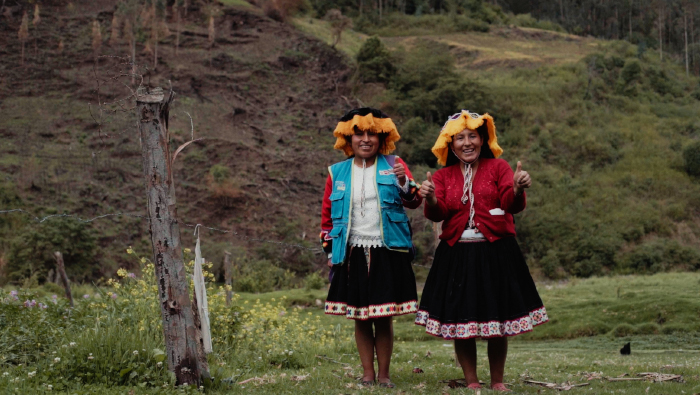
{"type": "Point", "coordinates": [400, 173]}
{"type": "Point", "coordinates": [521, 180]}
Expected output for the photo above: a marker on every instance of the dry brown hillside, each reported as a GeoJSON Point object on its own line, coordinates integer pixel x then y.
{"type": "Point", "coordinates": [265, 98]}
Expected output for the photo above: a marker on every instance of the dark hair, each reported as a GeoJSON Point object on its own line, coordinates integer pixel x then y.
{"type": "Point", "coordinates": [485, 149]}
{"type": "Point", "coordinates": [362, 112]}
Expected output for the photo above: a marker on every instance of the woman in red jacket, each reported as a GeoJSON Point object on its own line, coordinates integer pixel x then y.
{"type": "Point", "coordinates": [479, 285]}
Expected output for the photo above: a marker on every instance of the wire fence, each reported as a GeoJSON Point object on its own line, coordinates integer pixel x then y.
{"type": "Point", "coordinates": [232, 232]}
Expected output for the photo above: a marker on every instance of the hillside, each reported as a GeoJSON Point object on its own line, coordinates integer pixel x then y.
{"type": "Point", "coordinates": [264, 98]}
{"type": "Point", "coordinates": [601, 125]}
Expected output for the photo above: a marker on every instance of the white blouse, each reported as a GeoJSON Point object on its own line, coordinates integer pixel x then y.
{"type": "Point", "coordinates": [364, 231]}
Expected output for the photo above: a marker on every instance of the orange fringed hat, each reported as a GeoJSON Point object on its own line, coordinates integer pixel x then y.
{"type": "Point", "coordinates": [369, 119]}
{"type": "Point", "coordinates": [456, 124]}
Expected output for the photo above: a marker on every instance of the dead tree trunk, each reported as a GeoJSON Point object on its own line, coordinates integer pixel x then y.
{"type": "Point", "coordinates": [227, 276]}
{"type": "Point", "coordinates": [61, 268]}
{"type": "Point", "coordinates": [180, 331]}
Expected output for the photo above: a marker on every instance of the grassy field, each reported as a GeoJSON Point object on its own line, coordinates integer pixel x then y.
{"type": "Point", "coordinates": [622, 309]}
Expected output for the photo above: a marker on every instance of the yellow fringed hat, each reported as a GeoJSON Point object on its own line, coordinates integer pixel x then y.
{"type": "Point", "coordinates": [456, 124]}
{"type": "Point", "coordinates": [368, 119]}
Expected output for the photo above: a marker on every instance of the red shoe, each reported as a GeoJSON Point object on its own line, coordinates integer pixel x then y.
{"type": "Point", "coordinates": [500, 387]}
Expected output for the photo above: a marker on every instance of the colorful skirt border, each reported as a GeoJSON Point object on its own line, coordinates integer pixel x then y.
{"type": "Point", "coordinates": [482, 330]}
{"type": "Point", "coordinates": [371, 311]}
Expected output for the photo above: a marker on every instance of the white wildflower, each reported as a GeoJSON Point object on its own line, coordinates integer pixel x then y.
{"type": "Point", "coordinates": [32, 374]}
{"type": "Point", "coordinates": [136, 352]}
{"type": "Point", "coordinates": [56, 360]}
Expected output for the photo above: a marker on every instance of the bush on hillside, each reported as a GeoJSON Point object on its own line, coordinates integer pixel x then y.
{"type": "Point", "coordinates": [660, 255]}
{"type": "Point", "coordinates": [691, 156]}
{"type": "Point", "coordinates": [417, 137]}
{"type": "Point", "coordinates": [526, 20]}
{"type": "Point", "coordinates": [31, 251]}
{"type": "Point", "coordinates": [397, 24]}
{"type": "Point", "coordinates": [374, 62]}
{"type": "Point", "coordinates": [427, 85]}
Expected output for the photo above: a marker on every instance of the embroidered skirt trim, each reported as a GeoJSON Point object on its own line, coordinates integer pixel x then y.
{"type": "Point", "coordinates": [372, 311]}
{"type": "Point", "coordinates": [470, 330]}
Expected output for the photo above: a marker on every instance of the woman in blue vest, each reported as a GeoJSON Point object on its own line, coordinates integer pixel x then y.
{"type": "Point", "coordinates": [366, 233]}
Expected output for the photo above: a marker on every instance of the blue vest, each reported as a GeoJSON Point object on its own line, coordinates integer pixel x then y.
{"type": "Point", "coordinates": [393, 221]}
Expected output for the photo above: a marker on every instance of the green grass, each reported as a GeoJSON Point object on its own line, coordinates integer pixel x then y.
{"type": "Point", "coordinates": [540, 356]}
{"type": "Point", "coordinates": [236, 3]}
{"type": "Point", "coordinates": [350, 42]}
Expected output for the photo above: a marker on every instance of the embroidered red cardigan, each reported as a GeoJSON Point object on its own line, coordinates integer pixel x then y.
{"type": "Point", "coordinates": [411, 199]}
{"type": "Point", "coordinates": [493, 189]}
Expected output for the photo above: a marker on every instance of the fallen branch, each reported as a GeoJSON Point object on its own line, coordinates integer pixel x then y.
{"type": "Point", "coordinates": [332, 360]}
{"type": "Point", "coordinates": [555, 386]}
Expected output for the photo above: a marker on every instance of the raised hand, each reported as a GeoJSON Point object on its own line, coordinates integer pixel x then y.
{"type": "Point", "coordinates": [400, 173]}
{"type": "Point", "coordinates": [521, 179]}
{"type": "Point", "coordinates": [427, 190]}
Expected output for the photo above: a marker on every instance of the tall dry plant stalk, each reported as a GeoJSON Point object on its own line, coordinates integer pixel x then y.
{"type": "Point", "coordinates": [176, 15]}
{"type": "Point", "coordinates": [23, 32]}
{"type": "Point", "coordinates": [35, 22]}
{"type": "Point", "coordinates": [339, 23]}
{"type": "Point", "coordinates": [60, 46]}
{"type": "Point", "coordinates": [212, 35]}
{"type": "Point", "coordinates": [114, 36]}
{"type": "Point", "coordinates": [131, 39]}
{"type": "Point", "coordinates": [96, 37]}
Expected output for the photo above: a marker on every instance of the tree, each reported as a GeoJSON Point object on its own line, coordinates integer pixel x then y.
{"type": "Point", "coordinates": [35, 23]}
{"type": "Point", "coordinates": [96, 37]}
{"type": "Point", "coordinates": [23, 33]}
{"type": "Point", "coordinates": [31, 252]}
{"type": "Point", "coordinates": [114, 36]}
{"type": "Point", "coordinates": [339, 23]}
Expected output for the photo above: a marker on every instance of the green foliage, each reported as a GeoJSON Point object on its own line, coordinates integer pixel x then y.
{"type": "Point", "coordinates": [526, 20]}
{"type": "Point", "coordinates": [374, 63]}
{"type": "Point", "coordinates": [314, 281]}
{"type": "Point", "coordinates": [31, 251]}
{"type": "Point", "coordinates": [219, 173]}
{"type": "Point", "coordinates": [397, 24]}
{"type": "Point", "coordinates": [691, 156]}
{"type": "Point", "coordinates": [254, 275]}
{"type": "Point", "coordinates": [417, 137]}
{"type": "Point", "coordinates": [660, 255]}
{"type": "Point", "coordinates": [427, 85]}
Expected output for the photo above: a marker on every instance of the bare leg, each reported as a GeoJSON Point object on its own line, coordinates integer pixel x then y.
{"type": "Point", "coordinates": [364, 337]}
{"type": "Point", "coordinates": [384, 342]}
{"type": "Point", "coordinates": [497, 350]}
{"type": "Point", "coordinates": [466, 355]}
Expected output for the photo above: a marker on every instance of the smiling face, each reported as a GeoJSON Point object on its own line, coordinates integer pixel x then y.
{"type": "Point", "coordinates": [365, 144]}
{"type": "Point", "coordinates": [467, 145]}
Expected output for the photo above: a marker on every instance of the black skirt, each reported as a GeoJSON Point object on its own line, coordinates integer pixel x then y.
{"type": "Point", "coordinates": [386, 287]}
{"type": "Point", "coordinates": [480, 289]}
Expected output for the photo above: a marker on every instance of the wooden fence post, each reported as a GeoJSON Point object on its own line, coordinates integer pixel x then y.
{"type": "Point", "coordinates": [61, 269]}
{"type": "Point", "coordinates": [179, 327]}
{"type": "Point", "coordinates": [227, 276]}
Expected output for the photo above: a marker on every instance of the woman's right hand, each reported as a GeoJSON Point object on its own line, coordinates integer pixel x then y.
{"type": "Point", "coordinates": [330, 262]}
{"type": "Point", "coordinates": [427, 190]}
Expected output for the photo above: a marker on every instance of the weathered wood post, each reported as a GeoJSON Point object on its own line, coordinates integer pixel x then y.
{"type": "Point", "coordinates": [181, 339]}
{"type": "Point", "coordinates": [227, 277]}
{"type": "Point", "coordinates": [61, 269]}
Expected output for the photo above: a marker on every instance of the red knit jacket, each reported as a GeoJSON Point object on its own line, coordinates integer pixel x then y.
{"type": "Point", "coordinates": [493, 189]}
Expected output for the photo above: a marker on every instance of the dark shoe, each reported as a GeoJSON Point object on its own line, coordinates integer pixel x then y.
{"type": "Point", "coordinates": [368, 383]}
{"type": "Point", "coordinates": [387, 385]}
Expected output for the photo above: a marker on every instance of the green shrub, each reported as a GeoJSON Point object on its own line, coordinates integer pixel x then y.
{"type": "Point", "coordinates": [623, 330]}
{"type": "Point", "coordinates": [31, 252]}
{"type": "Point", "coordinates": [417, 137]}
{"type": "Point", "coordinates": [691, 156]}
{"type": "Point", "coordinates": [526, 20]}
{"type": "Point", "coordinates": [219, 173]}
{"type": "Point", "coordinates": [260, 276]}
{"type": "Point", "coordinates": [314, 281]}
{"type": "Point", "coordinates": [374, 63]}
